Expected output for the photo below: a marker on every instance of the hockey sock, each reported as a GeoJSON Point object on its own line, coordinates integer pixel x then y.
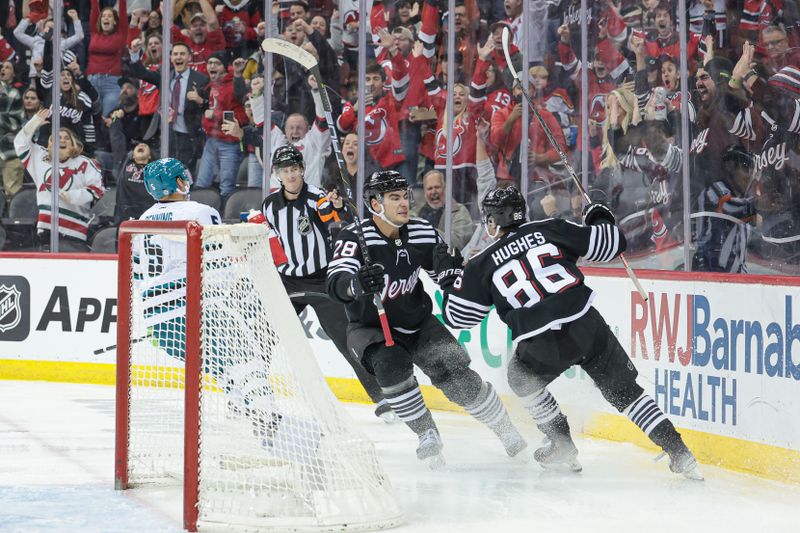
{"type": "Point", "coordinates": [406, 401]}
{"type": "Point", "coordinates": [544, 410]}
{"type": "Point", "coordinates": [541, 405]}
{"type": "Point", "coordinates": [654, 423]}
{"type": "Point", "coordinates": [487, 407]}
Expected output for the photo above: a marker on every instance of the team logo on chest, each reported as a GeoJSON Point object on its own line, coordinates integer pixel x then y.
{"type": "Point", "coordinates": [303, 225]}
{"type": "Point", "coordinates": [402, 253]}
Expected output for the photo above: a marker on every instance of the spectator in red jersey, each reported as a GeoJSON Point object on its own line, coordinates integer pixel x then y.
{"type": "Point", "coordinates": [109, 36]}
{"type": "Point", "coordinates": [203, 37]}
{"type": "Point", "coordinates": [222, 153]}
{"type": "Point", "coordinates": [664, 40]}
{"type": "Point", "coordinates": [506, 133]}
{"type": "Point", "coordinates": [238, 20]}
{"type": "Point", "coordinates": [383, 112]}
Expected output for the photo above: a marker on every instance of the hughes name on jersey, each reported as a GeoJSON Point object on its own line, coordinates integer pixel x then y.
{"type": "Point", "coordinates": [530, 276]}
{"type": "Point", "coordinates": [406, 302]}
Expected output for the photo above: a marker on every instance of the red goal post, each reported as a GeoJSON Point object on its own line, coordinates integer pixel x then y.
{"type": "Point", "coordinates": [218, 389]}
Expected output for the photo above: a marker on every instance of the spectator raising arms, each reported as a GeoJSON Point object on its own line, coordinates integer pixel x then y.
{"type": "Point", "coordinates": [109, 35]}
{"type": "Point", "coordinates": [80, 183]}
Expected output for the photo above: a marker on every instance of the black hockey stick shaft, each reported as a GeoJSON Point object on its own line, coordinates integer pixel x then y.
{"type": "Point", "coordinates": [557, 147]}
{"type": "Point", "coordinates": [286, 49]}
{"type": "Point", "coordinates": [100, 351]}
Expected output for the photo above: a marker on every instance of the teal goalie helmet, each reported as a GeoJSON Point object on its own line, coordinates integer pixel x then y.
{"type": "Point", "coordinates": [161, 177]}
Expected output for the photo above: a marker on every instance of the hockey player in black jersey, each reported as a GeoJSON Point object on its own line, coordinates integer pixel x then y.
{"type": "Point", "coordinates": [300, 214]}
{"type": "Point", "coordinates": [530, 275]}
{"type": "Point", "coordinates": [401, 247]}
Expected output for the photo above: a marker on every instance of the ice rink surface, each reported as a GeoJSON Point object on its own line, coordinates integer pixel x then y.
{"type": "Point", "coordinates": [56, 475]}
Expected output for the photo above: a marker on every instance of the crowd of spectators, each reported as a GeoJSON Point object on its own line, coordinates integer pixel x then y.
{"type": "Point", "coordinates": [743, 109]}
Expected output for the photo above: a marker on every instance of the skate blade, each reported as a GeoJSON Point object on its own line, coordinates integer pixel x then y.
{"type": "Point", "coordinates": [694, 474]}
{"type": "Point", "coordinates": [435, 462]}
{"type": "Point", "coordinates": [571, 466]}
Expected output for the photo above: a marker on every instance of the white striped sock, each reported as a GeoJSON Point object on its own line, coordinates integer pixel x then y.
{"type": "Point", "coordinates": [645, 413]}
{"type": "Point", "coordinates": [542, 406]}
{"type": "Point", "coordinates": [487, 407]}
{"type": "Point", "coordinates": [407, 403]}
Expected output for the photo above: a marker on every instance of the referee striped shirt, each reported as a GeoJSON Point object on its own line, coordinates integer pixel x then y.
{"type": "Point", "coordinates": [302, 226]}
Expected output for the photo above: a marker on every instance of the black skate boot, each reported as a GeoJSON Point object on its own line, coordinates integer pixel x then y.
{"type": "Point", "coordinates": [560, 452]}
{"type": "Point", "coordinates": [430, 449]}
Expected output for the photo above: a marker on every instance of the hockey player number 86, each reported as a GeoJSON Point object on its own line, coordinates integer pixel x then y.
{"type": "Point", "coordinates": [521, 281]}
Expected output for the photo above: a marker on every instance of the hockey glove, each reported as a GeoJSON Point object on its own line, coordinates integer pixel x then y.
{"type": "Point", "coordinates": [446, 265]}
{"type": "Point", "coordinates": [597, 213]}
{"type": "Point", "coordinates": [368, 280]}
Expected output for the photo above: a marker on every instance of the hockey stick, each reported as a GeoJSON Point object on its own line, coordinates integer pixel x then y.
{"type": "Point", "coordinates": [554, 143]}
{"type": "Point", "coordinates": [101, 351]}
{"type": "Point", "coordinates": [287, 49]}
{"type": "Point", "coordinates": [318, 295]}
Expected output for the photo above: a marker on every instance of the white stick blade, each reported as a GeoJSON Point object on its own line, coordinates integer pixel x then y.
{"type": "Point", "coordinates": [287, 49]}
{"type": "Point", "coordinates": [507, 53]}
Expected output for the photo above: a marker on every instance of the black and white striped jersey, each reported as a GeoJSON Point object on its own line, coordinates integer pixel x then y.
{"type": "Point", "coordinates": [530, 275]}
{"type": "Point", "coordinates": [302, 226]}
{"type": "Point", "coordinates": [407, 304]}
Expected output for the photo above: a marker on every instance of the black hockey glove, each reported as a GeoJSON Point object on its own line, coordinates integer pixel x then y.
{"type": "Point", "coordinates": [597, 213]}
{"type": "Point", "coordinates": [446, 265]}
{"type": "Point", "coordinates": [367, 281]}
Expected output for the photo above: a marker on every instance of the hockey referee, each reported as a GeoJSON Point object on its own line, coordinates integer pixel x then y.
{"type": "Point", "coordinates": [300, 215]}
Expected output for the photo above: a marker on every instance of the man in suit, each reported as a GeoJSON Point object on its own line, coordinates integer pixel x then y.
{"type": "Point", "coordinates": [188, 97]}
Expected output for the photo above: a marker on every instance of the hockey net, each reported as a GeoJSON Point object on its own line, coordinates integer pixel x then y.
{"type": "Point", "coordinates": [216, 379]}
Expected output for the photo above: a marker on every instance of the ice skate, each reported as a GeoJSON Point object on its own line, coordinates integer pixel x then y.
{"type": "Point", "coordinates": [513, 442]}
{"type": "Point", "coordinates": [685, 464]}
{"type": "Point", "coordinates": [560, 454]}
{"type": "Point", "coordinates": [430, 449]}
{"type": "Point", "coordinates": [384, 412]}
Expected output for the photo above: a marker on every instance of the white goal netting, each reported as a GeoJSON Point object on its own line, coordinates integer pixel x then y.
{"type": "Point", "coordinates": [275, 449]}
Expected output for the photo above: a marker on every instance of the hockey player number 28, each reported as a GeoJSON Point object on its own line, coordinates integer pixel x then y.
{"type": "Point", "coordinates": [522, 280]}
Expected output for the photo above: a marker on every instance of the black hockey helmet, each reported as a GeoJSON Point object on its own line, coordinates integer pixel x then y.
{"type": "Point", "coordinates": [286, 156]}
{"type": "Point", "coordinates": [381, 182]}
{"type": "Point", "coordinates": [505, 206]}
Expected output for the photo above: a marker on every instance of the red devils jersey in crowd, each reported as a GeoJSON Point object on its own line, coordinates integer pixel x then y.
{"type": "Point", "coordinates": [148, 96]}
{"type": "Point", "coordinates": [200, 51]}
{"type": "Point", "coordinates": [407, 304]}
{"type": "Point", "coordinates": [381, 122]}
{"type": "Point", "coordinates": [247, 12]}
{"type": "Point", "coordinates": [497, 99]}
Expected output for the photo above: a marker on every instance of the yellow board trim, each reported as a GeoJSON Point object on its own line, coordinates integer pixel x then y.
{"type": "Point", "coordinates": [762, 460]}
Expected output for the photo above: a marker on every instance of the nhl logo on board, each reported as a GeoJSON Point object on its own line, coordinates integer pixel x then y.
{"type": "Point", "coordinates": [10, 310]}
{"type": "Point", "coordinates": [304, 225]}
